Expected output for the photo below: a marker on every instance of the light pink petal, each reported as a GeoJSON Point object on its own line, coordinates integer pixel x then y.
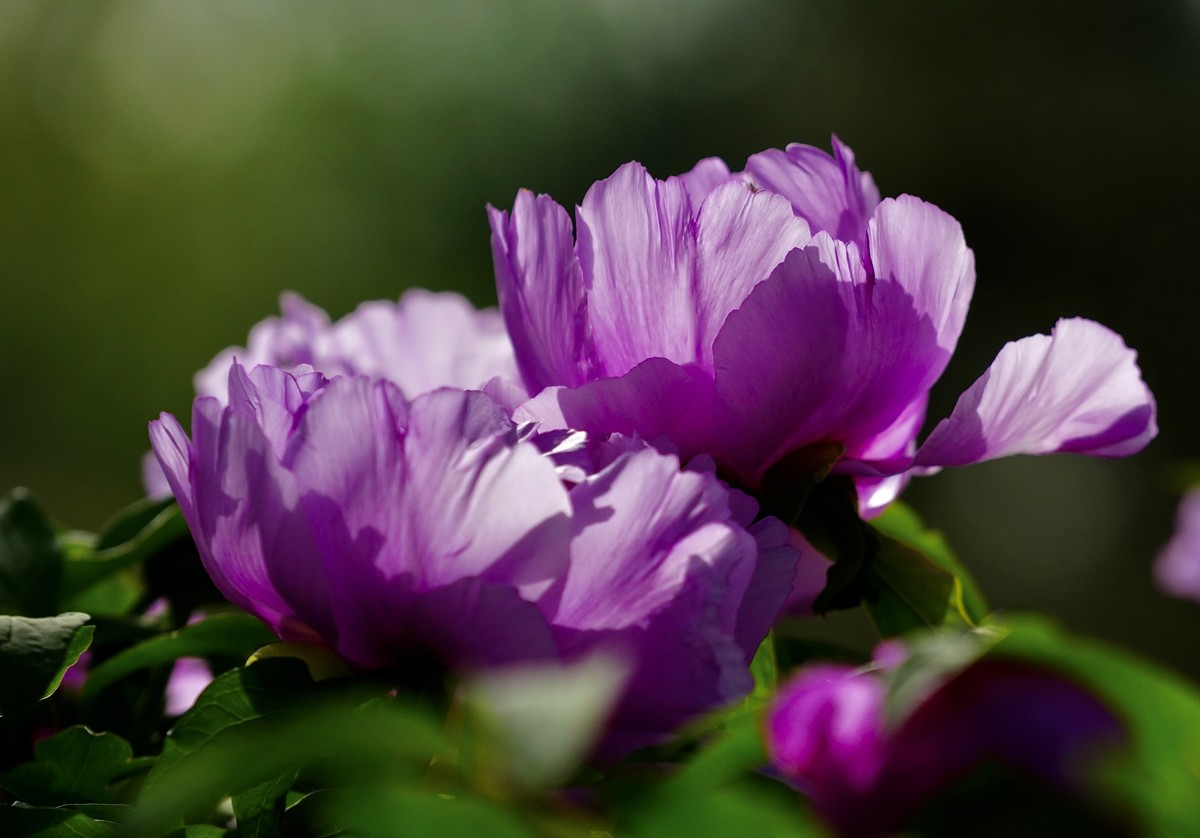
{"type": "Point", "coordinates": [704, 177]}
{"type": "Point", "coordinates": [1077, 390]}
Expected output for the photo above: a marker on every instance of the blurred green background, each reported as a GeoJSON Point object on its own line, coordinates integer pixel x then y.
{"type": "Point", "coordinates": [167, 168]}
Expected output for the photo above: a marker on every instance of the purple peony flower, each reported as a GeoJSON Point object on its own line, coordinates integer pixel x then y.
{"type": "Point", "coordinates": [424, 341]}
{"type": "Point", "coordinates": [1177, 569]}
{"type": "Point", "coordinates": [341, 513]}
{"type": "Point", "coordinates": [830, 734]}
{"type": "Point", "coordinates": [783, 317]}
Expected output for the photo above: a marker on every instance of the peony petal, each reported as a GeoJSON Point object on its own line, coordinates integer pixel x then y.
{"type": "Point", "coordinates": [658, 572]}
{"type": "Point", "coordinates": [830, 193]}
{"type": "Point", "coordinates": [704, 177]}
{"type": "Point", "coordinates": [541, 291]}
{"type": "Point", "coordinates": [656, 399]}
{"type": "Point", "coordinates": [1177, 569]}
{"type": "Point", "coordinates": [743, 236]}
{"type": "Point", "coordinates": [637, 249]}
{"type": "Point", "coordinates": [1077, 390]}
{"type": "Point", "coordinates": [424, 342]}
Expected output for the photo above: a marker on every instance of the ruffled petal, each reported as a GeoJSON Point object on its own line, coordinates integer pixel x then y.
{"type": "Point", "coordinates": [1077, 390]}
{"type": "Point", "coordinates": [541, 291]}
{"type": "Point", "coordinates": [704, 177]}
{"type": "Point", "coordinates": [656, 399]}
{"type": "Point", "coordinates": [637, 248]}
{"type": "Point", "coordinates": [658, 573]}
{"type": "Point", "coordinates": [425, 341]}
{"type": "Point", "coordinates": [830, 193]}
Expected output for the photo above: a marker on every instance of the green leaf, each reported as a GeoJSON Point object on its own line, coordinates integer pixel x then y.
{"type": "Point", "coordinates": [902, 524]}
{"type": "Point", "coordinates": [259, 810]}
{"type": "Point", "coordinates": [904, 590]}
{"type": "Point", "coordinates": [234, 634]}
{"type": "Point", "coordinates": [765, 670]}
{"type": "Point", "coordinates": [1159, 776]}
{"type": "Point", "coordinates": [831, 523]}
{"type": "Point", "coordinates": [387, 812]}
{"type": "Point", "coordinates": [31, 564]}
{"type": "Point", "coordinates": [132, 536]}
{"type": "Point", "coordinates": [54, 823]}
{"type": "Point", "coordinates": [255, 724]}
{"type": "Point", "coordinates": [74, 766]}
{"type": "Point", "coordinates": [34, 654]}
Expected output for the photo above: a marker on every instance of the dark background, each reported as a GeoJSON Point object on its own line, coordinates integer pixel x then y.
{"type": "Point", "coordinates": [166, 169]}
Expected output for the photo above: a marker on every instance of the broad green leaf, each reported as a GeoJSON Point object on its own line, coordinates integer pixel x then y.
{"type": "Point", "coordinates": [831, 523]}
{"type": "Point", "coordinates": [54, 823]}
{"type": "Point", "coordinates": [234, 634]}
{"type": "Point", "coordinates": [112, 596]}
{"type": "Point", "coordinates": [902, 524]}
{"type": "Point", "coordinates": [258, 723]}
{"type": "Point", "coordinates": [74, 766]}
{"type": "Point", "coordinates": [134, 535]}
{"type": "Point", "coordinates": [34, 654]}
{"type": "Point", "coordinates": [31, 564]}
{"type": "Point", "coordinates": [1160, 775]}
{"type": "Point", "coordinates": [259, 810]}
{"type": "Point", "coordinates": [904, 590]}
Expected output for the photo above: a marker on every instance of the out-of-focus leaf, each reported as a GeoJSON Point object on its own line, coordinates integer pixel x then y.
{"type": "Point", "coordinates": [388, 812]}
{"type": "Point", "coordinates": [112, 596]}
{"type": "Point", "coordinates": [253, 725]}
{"type": "Point", "coordinates": [765, 670]}
{"type": "Point", "coordinates": [31, 564]}
{"type": "Point", "coordinates": [134, 535]}
{"type": "Point", "coordinates": [904, 590]}
{"type": "Point", "coordinates": [902, 524]}
{"type": "Point", "coordinates": [930, 660]}
{"type": "Point", "coordinates": [34, 654]}
{"type": "Point", "coordinates": [540, 720]}
{"type": "Point", "coordinates": [234, 634]}
{"type": "Point", "coordinates": [713, 795]}
{"type": "Point", "coordinates": [1159, 776]}
{"type": "Point", "coordinates": [74, 766]}
{"type": "Point", "coordinates": [259, 810]}
{"type": "Point", "coordinates": [54, 823]}
{"type": "Point", "coordinates": [831, 523]}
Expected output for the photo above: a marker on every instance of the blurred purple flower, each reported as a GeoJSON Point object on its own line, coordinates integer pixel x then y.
{"type": "Point", "coordinates": [1177, 570]}
{"type": "Point", "coordinates": [341, 513]}
{"type": "Point", "coordinates": [786, 309]}
{"type": "Point", "coordinates": [424, 341]}
{"type": "Point", "coordinates": [830, 735]}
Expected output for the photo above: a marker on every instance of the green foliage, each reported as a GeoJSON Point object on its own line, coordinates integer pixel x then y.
{"type": "Point", "coordinates": [35, 652]}
{"type": "Point", "coordinates": [132, 536]}
{"type": "Point", "coordinates": [55, 823]}
{"type": "Point", "coordinates": [74, 766]}
{"type": "Point", "coordinates": [31, 564]}
{"type": "Point", "coordinates": [232, 634]}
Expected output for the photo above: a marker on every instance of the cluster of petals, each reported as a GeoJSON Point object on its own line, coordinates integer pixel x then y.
{"type": "Point", "coordinates": [390, 530]}
{"type": "Point", "coordinates": [868, 769]}
{"type": "Point", "coordinates": [756, 315]}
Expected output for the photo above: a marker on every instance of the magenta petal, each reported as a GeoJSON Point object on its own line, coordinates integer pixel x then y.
{"type": "Point", "coordinates": [172, 450]}
{"type": "Point", "coordinates": [742, 236]}
{"type": "Point", "coordinates": [704, 177]}
{"type": "Point", "coordinates": [1077, 390]}
{"type": "Point", "coordinates": [541, 291]}
{"type": "Point", "coordinates": [637, 248]}
{"type": "Point", "coordinates": [655, 399]}
{"type": "Point", "coordinates": [1177, 569]}
{"type": "Point", "coordinates": [830, 193]}
{"type": "Point", "coordinates": [921, 249]}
